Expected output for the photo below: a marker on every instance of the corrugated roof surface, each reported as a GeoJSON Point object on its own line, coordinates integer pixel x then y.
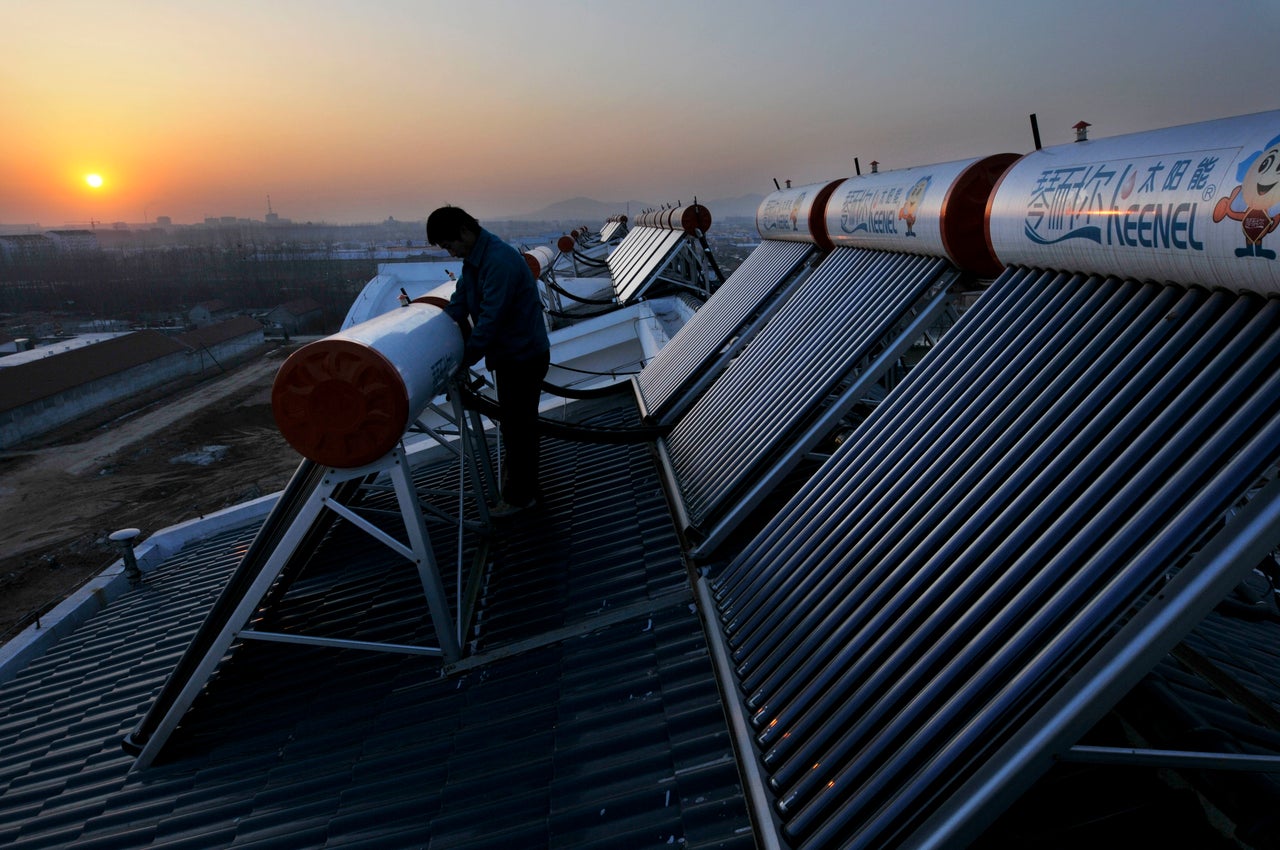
{"type": "Point", "coordinates": [610, 737]}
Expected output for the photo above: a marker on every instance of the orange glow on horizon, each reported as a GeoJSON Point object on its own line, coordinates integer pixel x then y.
{"type": "Point", "coordinates": [190, 111]}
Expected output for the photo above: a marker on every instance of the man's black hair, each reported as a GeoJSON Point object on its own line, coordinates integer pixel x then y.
{"type": "Point", "coordinates": [447, 223]}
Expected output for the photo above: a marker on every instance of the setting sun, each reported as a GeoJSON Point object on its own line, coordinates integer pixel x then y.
{"type": "Point", "coordinates": [94, 180]}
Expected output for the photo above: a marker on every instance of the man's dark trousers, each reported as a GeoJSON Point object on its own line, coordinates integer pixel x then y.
{"type": "Point", "coordinates": [519, 386]}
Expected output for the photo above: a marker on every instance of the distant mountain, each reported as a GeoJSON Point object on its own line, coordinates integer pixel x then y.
{"type": "Point", "coordinates": [591, 212]}
{"type": "Point", "coordinates": [582, 210]}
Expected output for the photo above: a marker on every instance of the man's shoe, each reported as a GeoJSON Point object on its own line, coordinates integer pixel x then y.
{"type": "Point", "coordinates": [505, 508]}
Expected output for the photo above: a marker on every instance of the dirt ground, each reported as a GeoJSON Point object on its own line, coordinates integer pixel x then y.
{"type": "Point", "coordinates": [61, 497]}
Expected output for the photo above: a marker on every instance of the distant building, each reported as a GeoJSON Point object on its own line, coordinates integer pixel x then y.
{"type": "Point", "coordinates": [74, 240]}
{"type": "Point", "coordinates": [298, 316]}
{"type": "Point", "coordinates": [208, 312]}
{"type": "Point", "coordinates": [25, 245]}
{"type": "Point", "coordinates": [224, 342]}
{"type": "Point", "coordinates": [9, 345]}
{"type": "Point", "coordinates": [43, 394]}
{"type": "Point", "coordinates": [28, 352]}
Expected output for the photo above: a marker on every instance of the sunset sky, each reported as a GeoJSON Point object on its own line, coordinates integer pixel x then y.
{"type": "Point", "coordinates": [350, 112]}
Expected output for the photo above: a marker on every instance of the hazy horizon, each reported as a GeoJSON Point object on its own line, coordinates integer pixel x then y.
{"type": "Point", "coordinates": [349, 112]}
{"type": "Point", "coordinates": [589, 211]}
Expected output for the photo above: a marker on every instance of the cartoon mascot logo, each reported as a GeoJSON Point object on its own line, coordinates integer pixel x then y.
{"type": "Point", "coordinates": [911, 207]}
{"type": "Point", "coordinates": [795, 210]}
{"type": "Point", "coordinates": [1259, 193]}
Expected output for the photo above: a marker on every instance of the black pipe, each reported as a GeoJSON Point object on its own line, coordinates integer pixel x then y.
{"type": "Point", "coordinates": [629, 435]}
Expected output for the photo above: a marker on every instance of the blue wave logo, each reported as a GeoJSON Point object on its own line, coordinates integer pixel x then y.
{"type": "Point", "coordinates": [1093, 233]}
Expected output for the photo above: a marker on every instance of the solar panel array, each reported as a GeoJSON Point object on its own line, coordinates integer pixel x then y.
{"type": "Point", "coordinates": [717, 321]}
{"type": "Point", "coordinates": [639, 258]}
{"type": "Point", "coordinates": [835, 320]}
{"type": "Point", "coordinates": [611, 229]}
{"type": "Point", "coordinates": [983, 533]}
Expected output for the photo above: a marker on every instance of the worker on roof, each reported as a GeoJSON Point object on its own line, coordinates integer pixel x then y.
{"type": "Point", "coordinates": [499, 297]}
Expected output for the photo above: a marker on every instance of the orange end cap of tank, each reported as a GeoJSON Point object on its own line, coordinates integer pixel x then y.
{"type": "Point", "coordinates": [566, 243]}
{"type": "Point", "coordinates": [694, 217]}
{"type": "Point", "coordinates": [340, 403]}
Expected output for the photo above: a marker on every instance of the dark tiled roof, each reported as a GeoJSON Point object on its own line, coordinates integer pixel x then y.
{"type": "Point", "coordinates": [299, 306]}
{"type": "Point", "coordinates": [612, 736]}
{"type": "Point", "coordinates": [220, 332]}
{"type": "Point", "coordinates": [49, 376]}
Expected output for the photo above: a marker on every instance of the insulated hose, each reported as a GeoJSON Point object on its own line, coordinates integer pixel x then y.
{"type": "Point", "coordinates": [473, 399]}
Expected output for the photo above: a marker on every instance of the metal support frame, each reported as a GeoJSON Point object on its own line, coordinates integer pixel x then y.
{"type": "Point", "coordinates": [690, 269]}
{"type": "Point", "coordinates": [419, 552]}
{"type": "Point", "coordinates": [763, 816]}
{"type": "Point", "coordinates": [1136, 648]}
{"type": "Point", "coordinates": [1145, 757]}
{"type": "Point", "coordinates": [394, 465]}
{"type": "Point", "coordinates": [472, 448]}
{"type": "Point", "coordinates": [550, 298]}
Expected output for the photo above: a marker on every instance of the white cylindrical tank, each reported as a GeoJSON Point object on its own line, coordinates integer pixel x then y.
{"type": "Point", "coordinates": [689, 218]}
{"type": "Point", "coordinates": [1191, 204]}
{"type": "Point", "coordinates": [346, 400]}
{"type": "Point", "coordinates": [797, 214]}
{"type": "Point", "coordinates": [540, 259]}
{"type": "Point", "coordinates": [937, 210]}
